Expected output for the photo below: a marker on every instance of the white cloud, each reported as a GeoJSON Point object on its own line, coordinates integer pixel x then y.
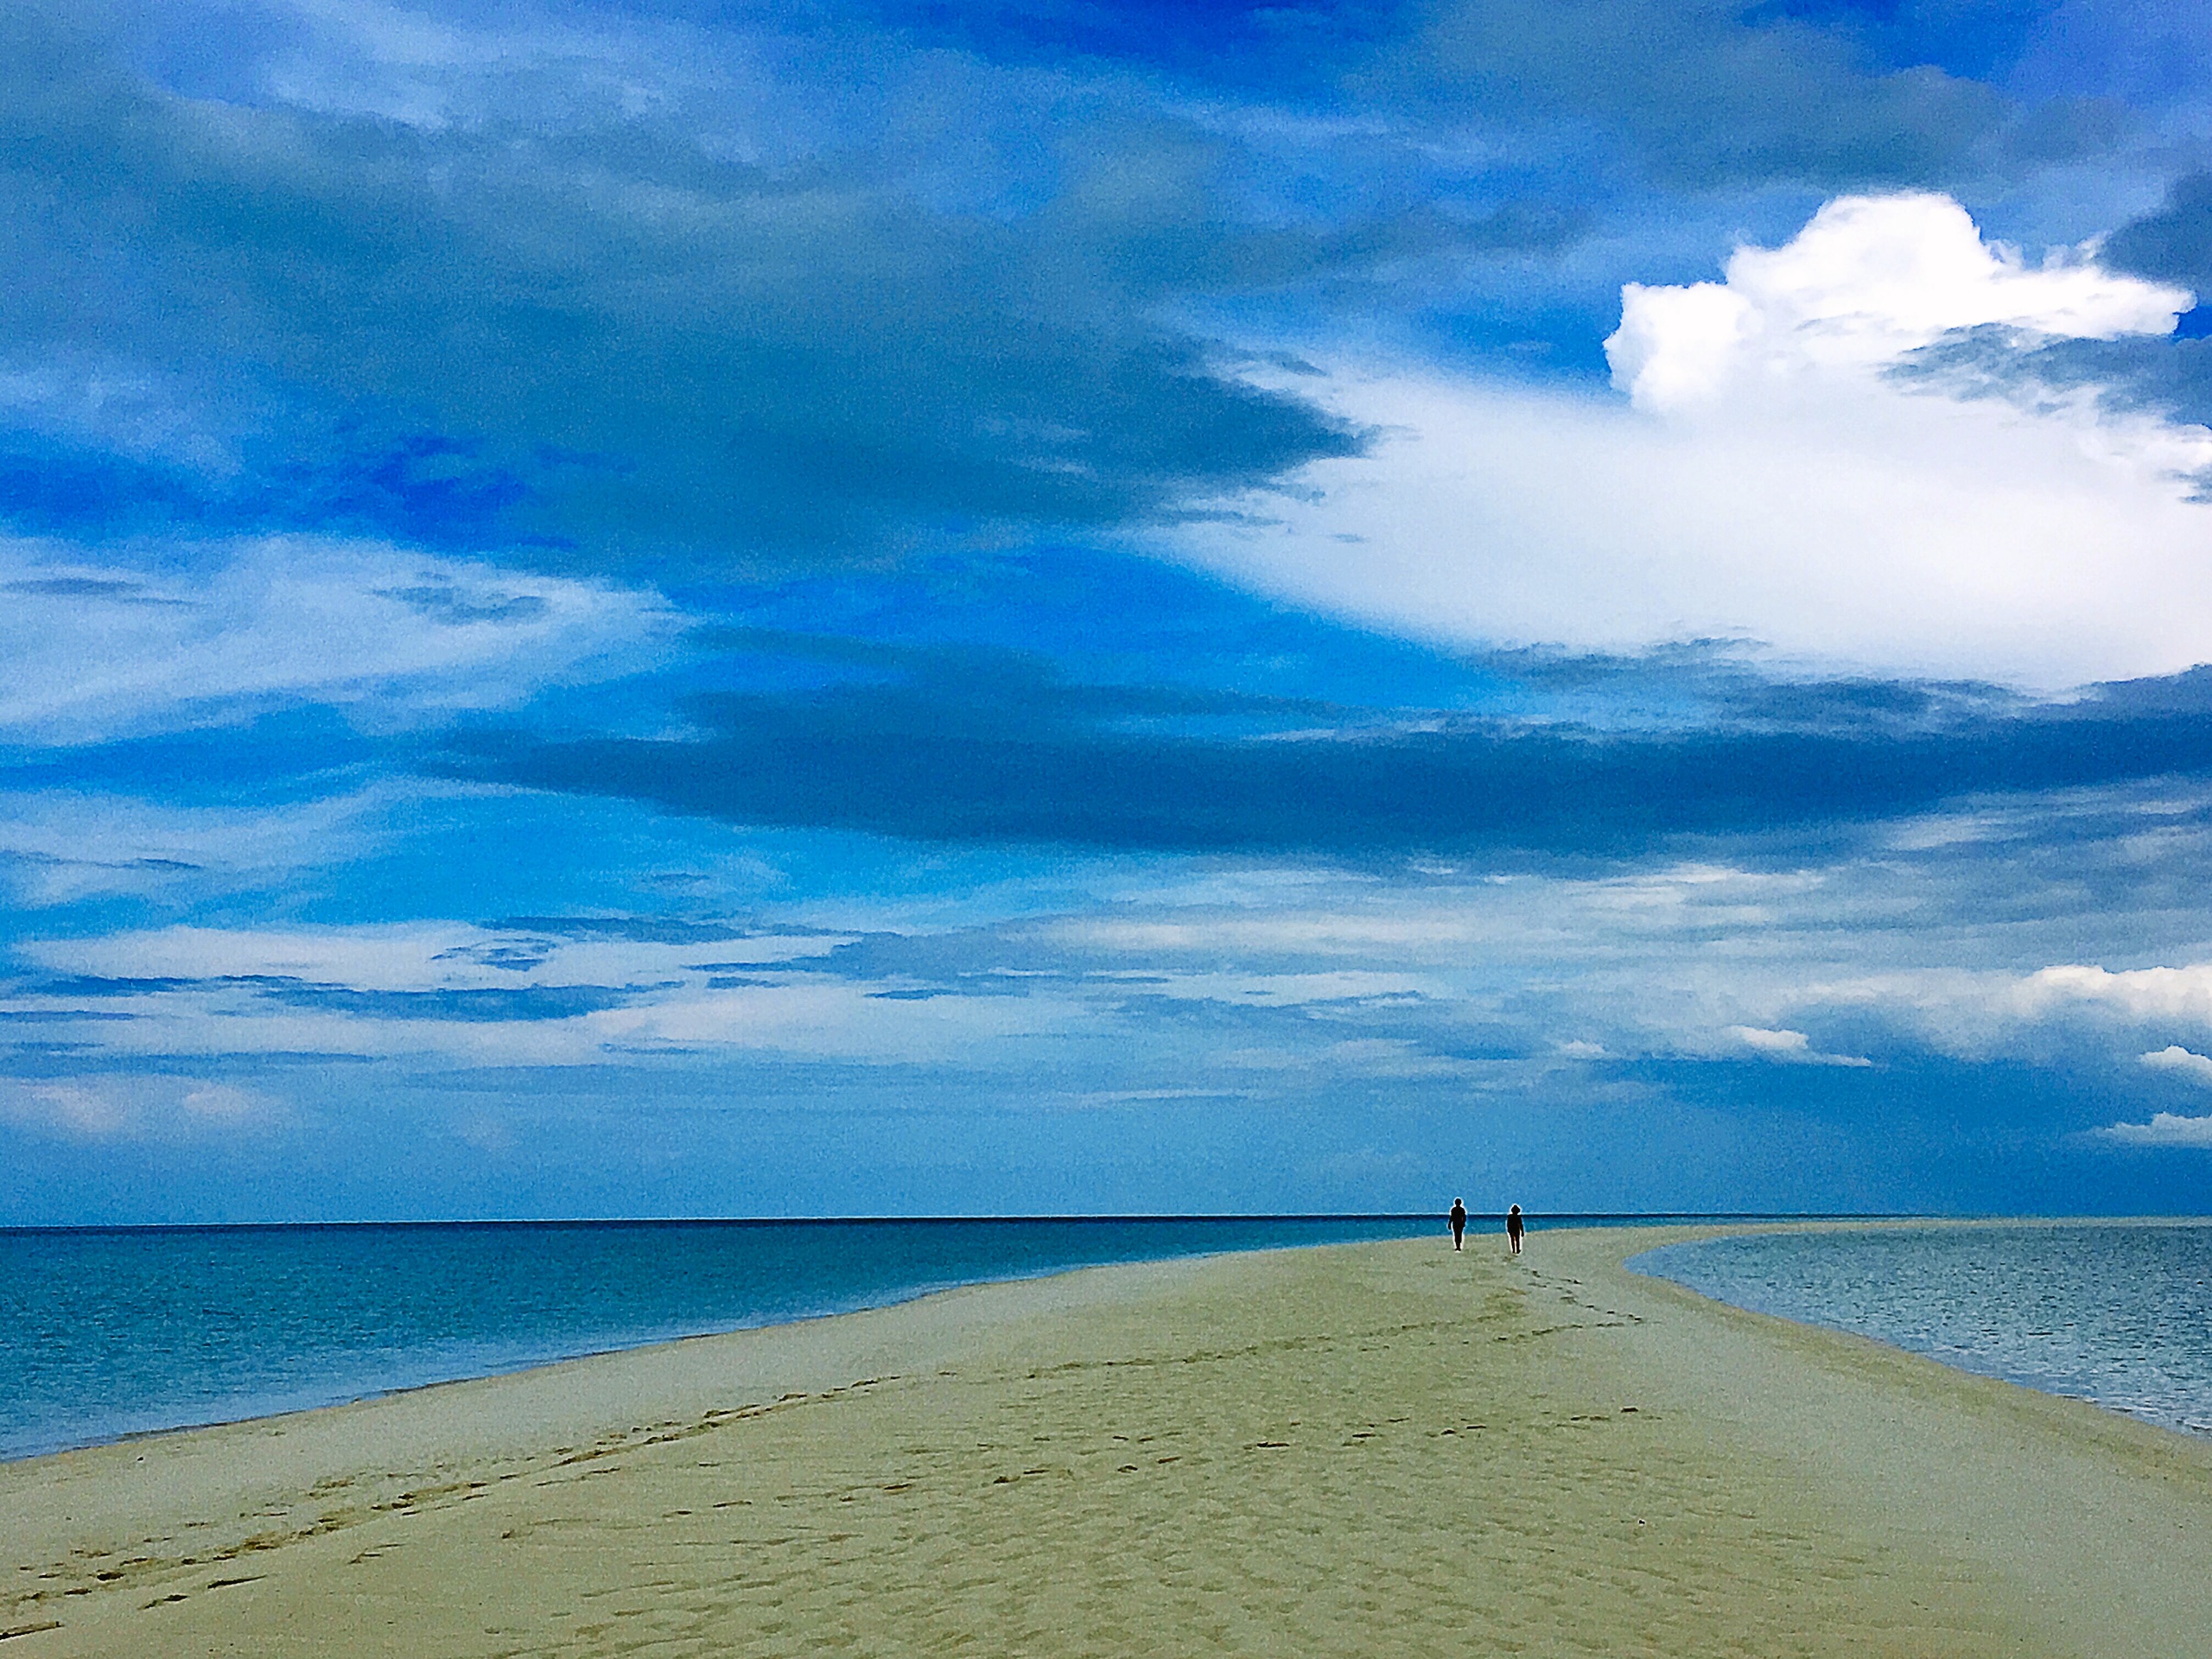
{"type": "Point", "coordinates": [121, 1107]}
{"type": "Point", "coordinates": [2178, 993]}
{"type": "Point", "coordinates": [1339, 972]}
{"type": "Point", "coordinates": [1266, 990]}
{"type": "Point", "coordinates": [1767, 482]}
{"type": "Point", "coordinates": [2165, 1129]}
{"type": "Point", "coordinates": [836, 1020]}
{"type": "Point", "coordinates": [1791, 1046]}
{"type": "Point", "coordinates": [2175, 1057]}
{"type": "Point", "coordinates": [1980, 1013]}
{"type": "Point", "coordinates": [1434, 926]}
{"type": "Point", "coordinates": [1369, 1057]}
{"type": "Point", "coordinates": [1870, 279]}
{"type": "Point", "coordinates": [95, 649]}
{"type": "Point", "coordinates": [77, 1110]}
{"type": "Point", "coordinates": [206, 992]}
{"type": "Point", "coordinates": [429, 955]}
{"type": "Point", "coordinates": [394, 956]}
{"type": "Point", "coordinates": [224, 1103]}
{"type": "Point", "coordinates": [792, 1016]}
{"type": "Point", "coordinates": [59, 846]}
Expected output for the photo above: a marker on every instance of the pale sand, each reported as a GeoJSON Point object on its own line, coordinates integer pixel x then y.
{"type": "Point", "coordinates": [1370, 1450]}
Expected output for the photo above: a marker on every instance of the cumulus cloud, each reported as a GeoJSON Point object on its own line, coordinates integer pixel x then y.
{"type": "Point", "coordinates": [2062, 1011]}
{"type": "Point", "coordinates": [2177, 994]}
{"type": "Point", "coordinates": [2165, 1129]}
{"type": "Point", "coordinates": [2174, 1058]}
{"type": "Point", "coordinates": [1793, 1047]}
{"type": "Point", "coordinates": [1870, 279]}
{"type": "Point", "coordinates": [1772, 479]}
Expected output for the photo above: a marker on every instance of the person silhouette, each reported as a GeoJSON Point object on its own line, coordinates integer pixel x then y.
{"type": "Point", "coordinates": [1459, 1223]}
{"type": "Point", "coordinates": [1513, 1228]}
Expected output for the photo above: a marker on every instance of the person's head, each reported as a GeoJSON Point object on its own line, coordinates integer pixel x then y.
{"type": "Point", "coordinates": [1514, 1210]}
{"type": "Point", "coordinates": [1455, 1203]}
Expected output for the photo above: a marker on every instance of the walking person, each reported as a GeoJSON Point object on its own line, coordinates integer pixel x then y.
{"type": "Point", "coordinates": [1459, 1223]}
{"type": "Point", "coordinates": [1513, 1228]}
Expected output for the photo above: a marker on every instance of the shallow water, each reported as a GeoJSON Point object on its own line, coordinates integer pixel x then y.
{"type": "Point", "coordinates": [2116, 1313]}
{"type": "Point", "coordinates": [107, 1332]}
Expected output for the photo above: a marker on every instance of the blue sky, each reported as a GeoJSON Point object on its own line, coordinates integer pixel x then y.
{"type": "Point", "coordinates": [705, 609]}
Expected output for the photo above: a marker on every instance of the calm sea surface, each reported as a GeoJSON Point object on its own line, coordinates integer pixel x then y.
{"type": "Point", "coordinates": [109, 1332]}
{"type": "Point", "coordinates": [2119, 1314]}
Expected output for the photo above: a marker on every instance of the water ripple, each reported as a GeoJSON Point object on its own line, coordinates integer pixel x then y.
{"type": "Point", "coordinates": [2117, 1313]}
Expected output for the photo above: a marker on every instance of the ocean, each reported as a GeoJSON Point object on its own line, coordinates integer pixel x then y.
{"type": "Point", "coordinates": [2115, 1312]}
{"type": "Point", "coordinates": [109, 1333]}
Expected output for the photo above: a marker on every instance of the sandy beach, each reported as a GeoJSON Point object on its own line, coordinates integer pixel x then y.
{"type": "Point", "coordinates": [1360, 1450]}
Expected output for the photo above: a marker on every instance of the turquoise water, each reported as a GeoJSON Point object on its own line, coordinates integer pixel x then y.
{"type": "Point", "coordinates": [2119, 1313]}
{"type": "Point", "coordinates": [107, 1332]}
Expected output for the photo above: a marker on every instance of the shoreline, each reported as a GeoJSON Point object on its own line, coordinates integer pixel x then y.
{"type": "Point", "coordinates": [350, 1377]}
{"type": "Point", "coordinates": [2162, 1416]}
{"type": "Point", "coordinates": [555, 1363]}
{"type": "Point", "coordinates": [1483, 1226]}
{"type": "Point", "coordinates": [1558, 1450]}
{"type": "Point", "coordinates": [1693, 1229]}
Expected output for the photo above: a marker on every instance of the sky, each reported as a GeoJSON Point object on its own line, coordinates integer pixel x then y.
{"type": "Point", "coordinates": [887, 606]}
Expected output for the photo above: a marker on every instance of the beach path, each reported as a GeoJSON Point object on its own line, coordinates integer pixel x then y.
{"type": "Point", "coordinates": [1364, 1450]}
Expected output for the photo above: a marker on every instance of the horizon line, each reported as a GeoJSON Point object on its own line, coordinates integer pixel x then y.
{"type": "Point", "coordinates": [1130, 1217]}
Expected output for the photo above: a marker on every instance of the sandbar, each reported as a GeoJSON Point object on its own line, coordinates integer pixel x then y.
{"type": "Point", "coordinates": [1366, 1449]}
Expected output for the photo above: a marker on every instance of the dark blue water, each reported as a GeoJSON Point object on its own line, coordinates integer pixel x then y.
{"type": "Point", "coordinates": [2119, 1314]}
{"type": "Point", "coordinates": [109, 1333]}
